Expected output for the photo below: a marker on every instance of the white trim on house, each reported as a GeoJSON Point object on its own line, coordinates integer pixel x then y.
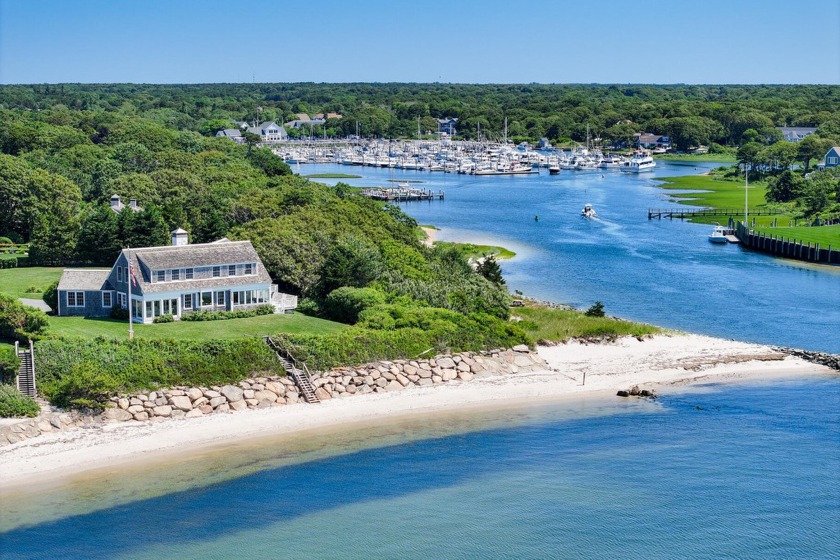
{"type": "Point", "coordinates": [110, 295]}
{"type": "Point", "coordinates": [77, 297]}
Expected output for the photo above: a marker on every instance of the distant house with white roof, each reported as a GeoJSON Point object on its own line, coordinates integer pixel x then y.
{"type": "Point", "coordinates": [649, 140]}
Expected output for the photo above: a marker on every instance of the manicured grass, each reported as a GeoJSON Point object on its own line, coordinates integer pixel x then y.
{"type": "Point", "coordinates": [826, 236]}
{"type": "Point", "coordinates": [296, 323]}
{"type": "Point", "coordinates": [19, 282]}
{"type": "Point", "coordinates": [332, 176]}
{"type": "Point", "coordinates": [559, 325]}
{"type": "Point", "coordinates": [472, 251]}
{"type": "Point", "coordinates": [715, 193]}
{"type": "Point", "coordinates": [722, 158]}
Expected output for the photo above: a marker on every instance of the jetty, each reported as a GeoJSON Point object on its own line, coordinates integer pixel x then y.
{"type": "Point", "coordinates": [683, 213]}
{"type": "Point", "coordinates": [402, 194]}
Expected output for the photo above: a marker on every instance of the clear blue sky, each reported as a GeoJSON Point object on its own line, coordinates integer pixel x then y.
{"type": "Point", "coordinates": [481, 41]}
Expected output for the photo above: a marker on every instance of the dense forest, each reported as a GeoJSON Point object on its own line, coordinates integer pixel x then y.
{"type": "Point", "coordinates": [691, 114]}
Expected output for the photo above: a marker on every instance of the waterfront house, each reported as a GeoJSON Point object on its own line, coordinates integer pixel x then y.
{"type": "Point", "coordinates": [832, 158]}
{"type": "Point", "coordinates": [232, 134]}
{"type": "Point", "coordinates": [796, 133]}
{"type": "Point", "coordinates": [175, 279]}
{"type": "Point", "coordinates": [648, 140]}
{"type": "Point", "coordinates": [269, 131]}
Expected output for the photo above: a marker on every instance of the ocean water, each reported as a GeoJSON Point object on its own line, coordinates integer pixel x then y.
{"type": "Point", "coordinates": [737, 471]}
{"type": "Point", "coordinates": [658, 271]}
{"type": "Point", "coordinates": [746, 471]}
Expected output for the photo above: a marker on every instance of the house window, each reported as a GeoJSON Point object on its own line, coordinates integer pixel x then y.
{"type": "Point", "coordinates": [232, 270]}
{"type": "Point", "coordinates": [107, 300]}
{"type": "Point", "coordinates": [188, 301]}
{"type": "Point", "coordinates": [122, 299]}
{"type": "Point", "coordinates": [217, 271]}
{"type": "Point", "coordinates": [160, 275]}
{"type": "Point", "coordinates": [206, 299]}
{"type": "Point", "coordinates": [119, 274]}
{"type": "Point", "coordinates": [176, 274]}
{"type": "Point", "coordinates": [149, 309]}
{"type": "Point", "coordinates": [220, 298]}
{"type": "Point", "coordinates": [188, 273]}
{"type": "Point", "coordinates": [75, 299]}
{"type": "Point", "coordinates": [249, 269]}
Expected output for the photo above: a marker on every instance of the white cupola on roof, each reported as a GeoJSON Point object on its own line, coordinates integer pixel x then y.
{"type": "Point", "coordinates": [180, 238]}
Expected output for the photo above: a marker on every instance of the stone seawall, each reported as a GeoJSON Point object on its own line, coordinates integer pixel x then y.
{"type": "Point", "coordinates": [264, 392]}
{"type": "Point", "coordinates": [821, 358]}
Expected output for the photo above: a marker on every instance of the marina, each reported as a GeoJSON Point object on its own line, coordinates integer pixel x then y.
{"type": "Point", "coordinates": [461, 157]}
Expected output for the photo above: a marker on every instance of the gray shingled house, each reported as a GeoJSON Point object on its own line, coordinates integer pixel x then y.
{"type": "Point", "coordinates": [175, 279]}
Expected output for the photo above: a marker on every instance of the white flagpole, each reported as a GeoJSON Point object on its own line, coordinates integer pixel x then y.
{"type": "Point", "coordinates": [130, 277]}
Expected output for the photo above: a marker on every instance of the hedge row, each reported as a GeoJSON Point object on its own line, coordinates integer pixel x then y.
{"type": "Point", "coordinates": [129, 365]}
{"type": "Point", "coordinates": [359, 345]}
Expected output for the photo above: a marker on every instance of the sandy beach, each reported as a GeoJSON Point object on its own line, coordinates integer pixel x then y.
{"type": "Point", "coordinates": [664, 363]}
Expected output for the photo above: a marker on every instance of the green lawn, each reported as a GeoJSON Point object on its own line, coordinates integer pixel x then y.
{"type": "Point", "coordinates": [28, 282]}
{"type": "Point", "coordinates": [296, 323]}
{"type": "Point", "coordinates": [716, 193]}
{"type": "Point", "coordinates": [472, 251]}
{"type": "Point", "coordinates": [826, 236]}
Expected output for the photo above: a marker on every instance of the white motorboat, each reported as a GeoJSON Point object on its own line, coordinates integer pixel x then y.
{"type": "Point", "coordinates": [718, 234]}
{"type": "Point", "coordinates": [638, 163]}
{"type": "Point", "coordinates": [588, 211]}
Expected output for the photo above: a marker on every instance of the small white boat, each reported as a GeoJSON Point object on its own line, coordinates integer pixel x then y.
{"type": "Point", "coordinates": [718, 234]}
{"type": "Point", "coordinates": [588, 211]}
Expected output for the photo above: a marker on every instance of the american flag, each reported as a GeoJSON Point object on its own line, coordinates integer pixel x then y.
{"type": "Point", "coordinates": [131, 273]}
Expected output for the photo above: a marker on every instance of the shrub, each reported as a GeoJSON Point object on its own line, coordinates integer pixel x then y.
{"type": "Point", "coordinates": [346, 303]}
{"type": "Point", "coordinates": [9, 364]}
{"type": "Point", "coordinates": [50, 296]}
{"type": "Point", "coordinates": [165, 318]}
{"type": "Point", "coordinates": [86, 386]}
{"type": "Point", "coordinates": [597, 310]}
{"type": "Point", "coordinates": [20, 322]}
{"type": "Point", "coordinates": [14, 404]}
{"type": "Point", "coordinates": [265, 309]}
{"type": "Point", "coordinates": [119, 313]}
{"type": "Point", "coordinates": [9, 263]}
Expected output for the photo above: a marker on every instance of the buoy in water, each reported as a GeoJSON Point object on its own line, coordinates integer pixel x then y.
{"type": "Point", "coordinates": [536, 218]}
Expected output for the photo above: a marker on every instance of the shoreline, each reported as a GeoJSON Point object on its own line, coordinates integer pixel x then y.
{"type": "Point", "coordinates": [662, 362]}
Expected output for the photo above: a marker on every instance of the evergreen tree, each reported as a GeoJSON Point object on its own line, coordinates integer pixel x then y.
{"type": "Point", "coordinates": [99, 237]}
{"type": "Point", "coordinates": [490, 269]}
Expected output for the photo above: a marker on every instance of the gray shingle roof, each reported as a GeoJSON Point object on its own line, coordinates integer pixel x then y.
{"type": "Point", "coordinates": [88, 279]}
{"type": "Point", "coordinates": [220, 253]}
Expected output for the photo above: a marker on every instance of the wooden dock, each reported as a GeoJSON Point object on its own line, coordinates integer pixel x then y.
{"type": "Point", "coordinates": [402, 194]}
{"type": "Point", "coordinates": [682, 213]}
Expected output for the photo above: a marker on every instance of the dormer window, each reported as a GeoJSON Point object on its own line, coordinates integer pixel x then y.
{"type": "Point", "coordinates": [217, 271]}
{"type": "Point", "coordinates": [188, 273]}
{"type": "Point", "coordinates": [160, 275]}
{"type": "Point", "coordinates": [249, 268]}
{"type": "Point", "coordinates": [232, 270]}
{"type": "Point", "coordinates": [176, 274]}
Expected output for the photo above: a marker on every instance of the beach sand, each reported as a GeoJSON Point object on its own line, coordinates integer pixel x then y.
{"type": "Point", "coordinates": [431, 235]}
{"type": "Point", "coordinates": [663, 363]}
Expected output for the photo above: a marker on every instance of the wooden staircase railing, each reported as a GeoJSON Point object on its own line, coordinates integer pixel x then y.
{"type": "Point", "coordinates": [296, 370]}
{"type": "Point", "coordinates": [26, 373]}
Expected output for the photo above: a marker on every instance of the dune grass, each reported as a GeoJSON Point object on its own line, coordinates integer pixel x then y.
{"type": "Point", "coordinates": [559, 325]}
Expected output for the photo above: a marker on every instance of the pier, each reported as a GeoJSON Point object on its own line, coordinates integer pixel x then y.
{"type": "Point", "coordinates": [402, 194]}
{"type": "Point", "coordinates": [683, 214]}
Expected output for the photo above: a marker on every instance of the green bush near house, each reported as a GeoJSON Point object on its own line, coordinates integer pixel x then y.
{"type": "Point", "coordinates": [9, 364]}
{"type": "Point", "coordinates": [14, 404]}
{"type": "Point", "coordinates": [222, 315]}
{"type": "Point", "coordinates": [20, 322]}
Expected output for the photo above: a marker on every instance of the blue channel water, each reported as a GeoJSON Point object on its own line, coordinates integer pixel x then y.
{"type": "Point", "coordinates": [659, 271]}
{"type": "Point", "coordinates": [716, 472]}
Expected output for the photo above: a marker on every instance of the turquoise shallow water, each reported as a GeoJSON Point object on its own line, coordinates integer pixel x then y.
{"type": "Point", "coordinates": [739, 472]}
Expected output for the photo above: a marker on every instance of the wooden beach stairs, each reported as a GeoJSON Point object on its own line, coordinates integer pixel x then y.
{"type": "Point", "coordinates": [296, 370]}
{"type": "Point", "coordinates": [26, 373]}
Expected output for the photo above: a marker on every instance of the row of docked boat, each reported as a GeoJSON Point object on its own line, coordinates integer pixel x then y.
{"type": "Point", "coordinates": [474, 158]}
